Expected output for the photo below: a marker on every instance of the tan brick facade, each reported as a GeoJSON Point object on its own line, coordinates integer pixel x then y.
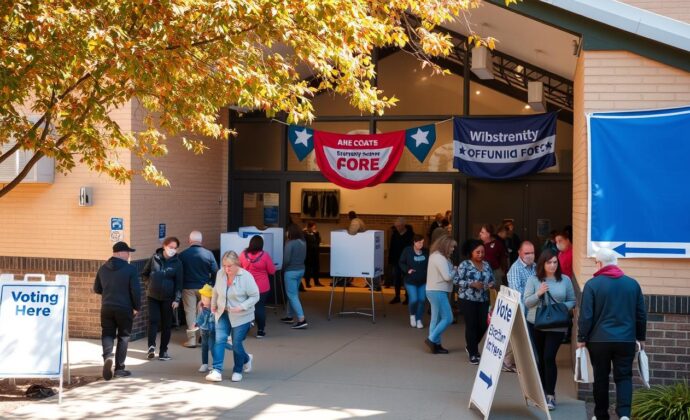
{"type": "Point", "coordinates": [675, 9]}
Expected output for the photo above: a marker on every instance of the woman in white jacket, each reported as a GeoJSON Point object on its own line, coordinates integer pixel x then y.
{"type": "Point", "coordinates": [234, 297]}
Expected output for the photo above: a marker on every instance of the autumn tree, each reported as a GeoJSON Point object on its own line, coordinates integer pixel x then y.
{"type": "Point", "coordinates": [66, 64]}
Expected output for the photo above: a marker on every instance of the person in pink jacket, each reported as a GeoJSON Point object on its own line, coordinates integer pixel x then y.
{"type": "Point", "coordinates": [257, 261]}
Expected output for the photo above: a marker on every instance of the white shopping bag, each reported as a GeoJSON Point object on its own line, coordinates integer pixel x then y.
{"type": "Point", "coordinates": [583, 367]}
{"type": "Point", "coordinates": [643, 365]}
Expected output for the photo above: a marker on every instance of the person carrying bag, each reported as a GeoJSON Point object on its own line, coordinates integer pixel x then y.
{"type": "Point", "coordinates": [551, 314]}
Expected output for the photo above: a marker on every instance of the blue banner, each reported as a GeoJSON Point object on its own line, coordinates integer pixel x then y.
{"type": "Point", "coordinates": [302, 140]}
{"type": "Point", "coordinates": [638, 193]}
{"type": "Point", "coordinates": [504, 147]}
{"type": "Point", "coordinates": [420, 140]}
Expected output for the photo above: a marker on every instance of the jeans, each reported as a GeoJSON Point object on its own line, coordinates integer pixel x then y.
{"type": "Point", "coordinates": [292, 282]}
{"type": "Point", "coordinates": [416, 299]}
{"type": "Point", "coordinates": [475, 323]}
{"type": "Point", "coordinates": [208, 343]}
{"type": "Point", "coordinates": [116, 322]}
{"type": "Point", "coordinates": [441, 314]}
{"type": "Point", "coordinates": [602, 355]}
{"type": "Point", "coordinates": [260, 311]}
{"type": "Point", "coordinates": [160, 313]}
{"type": "Point", "coordinates": [190, 299]}
{"type": "Point", "coordinates": [546, 344]}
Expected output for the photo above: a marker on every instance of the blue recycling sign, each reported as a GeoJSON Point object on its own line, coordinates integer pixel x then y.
{"type": "Point", "coordinates": [638, 172]}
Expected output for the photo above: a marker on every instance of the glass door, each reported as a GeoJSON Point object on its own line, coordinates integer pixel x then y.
{"type": "Point", "coordinates": [259, 203]}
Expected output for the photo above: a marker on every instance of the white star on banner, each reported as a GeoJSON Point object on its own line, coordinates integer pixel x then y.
{"type": "Point", "coordinates": [303, 137]}
{"type": "Point", "coordinates": [420, 137]}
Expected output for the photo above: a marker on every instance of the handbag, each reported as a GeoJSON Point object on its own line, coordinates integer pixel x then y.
{"type": "Point", "coordinates": [551, 314]}
{"type": "Point", "coordinates": [643, 365]}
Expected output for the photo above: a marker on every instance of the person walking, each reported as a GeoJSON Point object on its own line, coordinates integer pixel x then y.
{"type": "Point", "coordinates": [612, 317]}
{"type": "Point", "coordinates": [549, 279]}
{"type": "Point", "coordinates": [311, 263]}
{"type": "Point", "coordinates": [117, 282]}
{"type": "Point", "coordinates": [439, 285]}
{"type": "Point", "coordinates": [200, 268]}
{"type": "Point", "coordinates": [474, 279]}
{"type": "Point", "coordinates": [164, 273]}
{"type": "Point", "coordinates": [259, 263]}
{"type": "Point", "coordinates": [293, 263]}
{"type": "Point", "coordinates": [234, 296]}
{"type": "Point", "coordinates": [414, 263]}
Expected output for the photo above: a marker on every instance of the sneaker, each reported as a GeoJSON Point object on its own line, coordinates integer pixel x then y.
{"type": "Point", "coordinates": [214, 376]}
{"type": "Point", "coordinates": [108, 369]}
{"type": "Point", "coordinates": [413, 321]}
{"type": "Point", "coordinates": [248, 366]}
{"type": "Point", "coordinates": [420, 325]}
{"type": "Point", "coordinates": [623, 418]}
{"type": "Point", "coordinates": [152, 352]}
{"type": "Point", "coordinates": [203, 368]}
{"type": "Point", "coordinates": [236, 377]}
{"type": "Point", "coordinates": [164, 356]}
{"type": "Point", "coordinates": [300, 325]}
{"type": "Point", "coordinates": [551, 402]}
{"type": "Point", "coordinates": [260, 334]}
{"type": "Point", "coordinates": [287, 320]}
{"type": "Point", "coordinates": [507, 368]}
{"type": "Point", "coordinates": [474, 360]}
{"type": "Point", "coordinates": [122, 373]}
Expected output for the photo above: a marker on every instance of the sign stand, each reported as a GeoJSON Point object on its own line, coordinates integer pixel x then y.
{"type": "Point", "coordinates": [508, 324]}
{"type": "Point", "coordinates": [370, 281]}
{"type": "Point", "coordinates": [33, 311]}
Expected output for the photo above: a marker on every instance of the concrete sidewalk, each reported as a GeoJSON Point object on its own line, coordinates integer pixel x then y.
{"type": "Point", "coordinates": [338, 369]}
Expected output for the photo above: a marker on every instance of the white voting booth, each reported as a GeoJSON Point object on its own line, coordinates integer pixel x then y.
{"type": "Point", "coordinates": [508, 324]}
{"type": "Point", "coordinates": [33, 327]}
{"type": "Point", "coordinates": [359, 255]}
{"type": "Point", "coordinates": [277, 236]}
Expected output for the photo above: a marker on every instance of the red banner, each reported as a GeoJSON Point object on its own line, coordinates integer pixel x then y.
{"type": "Point", "coordinates": [356, 161]}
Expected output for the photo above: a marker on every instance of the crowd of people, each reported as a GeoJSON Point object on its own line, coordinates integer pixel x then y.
{"type": "Point", "coordinates": [223, 304]}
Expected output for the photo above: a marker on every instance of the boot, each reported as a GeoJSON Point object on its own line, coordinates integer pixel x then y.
{"type": "Point", "coordinates": [191, 339]}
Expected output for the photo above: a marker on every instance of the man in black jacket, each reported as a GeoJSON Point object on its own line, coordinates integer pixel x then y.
{"type": "Point", "coordinates": [612, 318]}
{"type": "Point", "coordinates": [117, 282]}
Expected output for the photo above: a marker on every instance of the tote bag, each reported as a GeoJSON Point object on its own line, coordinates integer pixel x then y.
{"type": "Point", "coordinates": [551, 314]}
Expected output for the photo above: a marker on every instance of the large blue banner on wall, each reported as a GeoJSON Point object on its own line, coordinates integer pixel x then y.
{"type": "Point", "coordinates": [639, 199]}
{"type": "Point", "coordinates": [504, 147]}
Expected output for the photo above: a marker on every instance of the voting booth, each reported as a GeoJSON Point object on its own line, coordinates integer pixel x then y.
{"type": "Point", "coordinates": [508, 325]}
{"type": "Point", "coordinates": [33, 327]}
{"type": "Point", "coordinates": [277, 238]}
{"type": "Point", "coordinates": [359, 255]}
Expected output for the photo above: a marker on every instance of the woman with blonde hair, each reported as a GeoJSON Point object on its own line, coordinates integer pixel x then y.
{"type": "Point", "coordinates": [438, 287]}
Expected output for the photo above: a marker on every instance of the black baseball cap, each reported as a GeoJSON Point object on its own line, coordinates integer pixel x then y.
{"type": "Point", "coordinates": [122, 246]}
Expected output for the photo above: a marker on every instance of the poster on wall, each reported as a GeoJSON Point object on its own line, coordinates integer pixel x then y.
{"type": "Point", "coordinates": [504, 147]}
{"type": "Point", "coordinates": [638, 172]}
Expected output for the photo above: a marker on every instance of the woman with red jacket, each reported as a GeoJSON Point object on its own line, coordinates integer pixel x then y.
{"type": "Point", "coordinates": [260, 265]}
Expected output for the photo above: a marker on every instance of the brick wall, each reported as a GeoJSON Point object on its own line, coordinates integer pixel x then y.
{"type": "Point", "coordinates": [675, 9]}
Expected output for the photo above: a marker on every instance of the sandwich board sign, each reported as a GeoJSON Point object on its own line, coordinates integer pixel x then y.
{"type": "Point", "coordinates": [33, 327]}
{"type": "Point", "coordinates": [508, 324]}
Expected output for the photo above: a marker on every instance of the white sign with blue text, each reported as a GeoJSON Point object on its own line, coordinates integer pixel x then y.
{"type": "Point", "coordinates": [508, 325]}
{"type": "Point", "coordinates": [33, 324]}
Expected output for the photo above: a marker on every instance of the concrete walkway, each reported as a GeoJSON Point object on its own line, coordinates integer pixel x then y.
{"type": "Point", "coordinates": [338, 369]}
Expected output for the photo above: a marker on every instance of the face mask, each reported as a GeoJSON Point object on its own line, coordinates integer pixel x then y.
{"type": "Point", "coordinates": [561, 247]}
{"type": "Point", "coordinates": [170, 252]}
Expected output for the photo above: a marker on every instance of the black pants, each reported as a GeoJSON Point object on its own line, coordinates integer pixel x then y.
{"type": "Point", "coordinates": [475, 323]}
{"type": "Point", "coordinates": [160, 314]}
{"type": "Point", "coordinates": [116, 322]}
{"type": "Point", "coordinates": [311, 271]}
{"type": "Point", "coordinates": [621, 355]}
{"type": "Point", "coordinates": [260, 311]}
{"type": "Point", "coordinates": [546, 344]}
{"type": "Point", "coordinates": [397, 279]}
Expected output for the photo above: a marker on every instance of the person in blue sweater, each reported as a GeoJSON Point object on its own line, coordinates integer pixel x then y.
{"type": "Point", "coordinates": [413, 263]}
{"type": "Point", "coordinates": [612, 318]}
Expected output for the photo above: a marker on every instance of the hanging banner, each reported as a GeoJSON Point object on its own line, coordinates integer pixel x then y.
{"type": "Point", "coordinates": [356, 161]}
{"type": "Point", "coordinates": [420, 140]}
{"type": "Point", "coordinates": [302, 140]}
{"type": "Point", "coordinates": [506, 147]}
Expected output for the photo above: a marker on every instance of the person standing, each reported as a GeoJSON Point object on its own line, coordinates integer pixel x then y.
{"type": "Point", "coordinates": [311, 263]}
{"type": "Point", "coordinates": [494, 253]}
{"type": "Point", "coordinates": [474, 279]}
{"type": "Point", "coordinates": [200, 268]}
{"type": "Point", "coordinates": [234, 296]}
{"type": "Point", "coordinates": [414, 263]}
{"type": "Point", "coordinates": [435, 224]}
{"type": "Point", "coordinates": [293, 263]}
{"type": "Point", "coordinates": [356, 224]}
{"type": "Point", "coordinates": [565, 253]}
{"type": "Point", "coordinates": [260, 265]}
{"type": "Point", "coordinates": [612, 317]}
{"type": "Point", "coordinates": [518, 275]}
{"type": "Point", "coordinates": [117, 282]}
{"type": "Point", "coordinates": [401, 237]}
{"type": "Point", "coordinates": [439, 285]}
{"type": "Point", "coordinates": [511, 241]}
{"type": "Point", "coordinates": [547, 341]}
{"type": "Point", "coordinates": [165, 277]}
